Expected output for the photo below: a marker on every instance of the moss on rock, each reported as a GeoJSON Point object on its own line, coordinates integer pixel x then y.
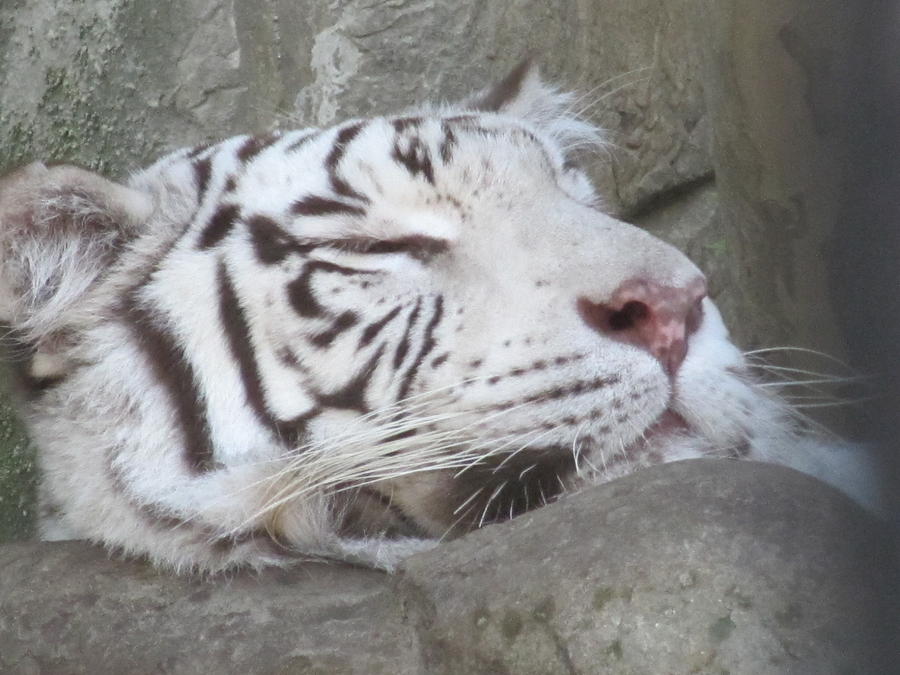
{"type": "Point", "coordinates": [17, 475]}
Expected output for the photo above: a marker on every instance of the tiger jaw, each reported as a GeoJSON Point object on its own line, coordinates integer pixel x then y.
{"type": "Point", "coordinates": [510, 457]}
{"type": "Point", "coordinates": [504, 482]}
{"type": "Point", "coordinates": [527, 451]}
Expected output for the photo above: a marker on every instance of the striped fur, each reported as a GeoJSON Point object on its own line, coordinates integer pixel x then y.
{"type": "Point", "coordinates": [349, 342]}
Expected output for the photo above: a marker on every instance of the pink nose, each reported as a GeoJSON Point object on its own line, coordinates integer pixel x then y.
{"type": "Point", "coordinates": [649, 315]}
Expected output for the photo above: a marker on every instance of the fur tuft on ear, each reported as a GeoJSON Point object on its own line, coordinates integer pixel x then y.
{"type": "Point", "coordinates": [524, 94]}
{"type": "Point", "coordinates": [60, 228]}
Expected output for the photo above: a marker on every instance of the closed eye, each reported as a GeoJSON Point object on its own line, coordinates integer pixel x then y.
{"type": "Point", "coordinates": [418, 246]}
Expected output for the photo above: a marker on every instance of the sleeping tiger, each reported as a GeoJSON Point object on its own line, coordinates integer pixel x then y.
{"type": "Point", "coordinates": [352, 342]}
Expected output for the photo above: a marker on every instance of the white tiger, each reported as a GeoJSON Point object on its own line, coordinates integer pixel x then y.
{"type": "Point", "coordinates": [352, 342]}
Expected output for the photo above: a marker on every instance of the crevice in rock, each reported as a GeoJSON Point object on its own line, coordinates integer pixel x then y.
{"type": "Point", "coordinates": [667, 197]}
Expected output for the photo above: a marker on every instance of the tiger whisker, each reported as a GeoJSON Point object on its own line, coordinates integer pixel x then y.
{"type": "Point", "coordinates": [493, 496]}
{"type": "Point", "coordinates": [583, 94]}
{"type": "Point", "coordinates": [583, 111]}
{"type": "Point", "coordinates": [815, 352]}
{"type": "Point", "coordinates": [576, 448]}
{"type": "Point", "coordinates": [456, 522]}
{"type": "Point", "coordinates": [312, 486]}
{"type": "Point", "coordinates": [786, 371]}
{"type": "Point", "coordinates": [799, 383]}
{"type": "Point", "coordinates": [832, 404]}
{"type": "Point", "coordinates": [469, 499]}
{"type": "Point", "coordinates": [521, 448]}
{"type": "Point", "coordinates": [589, 94]}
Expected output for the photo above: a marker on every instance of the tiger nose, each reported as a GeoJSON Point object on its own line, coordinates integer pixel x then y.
{"type": "Point", "coordinates": [650, 315]}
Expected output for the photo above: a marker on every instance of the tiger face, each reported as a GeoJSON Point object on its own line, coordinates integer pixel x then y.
{"type": "Point", "coordinates": [351, 342]}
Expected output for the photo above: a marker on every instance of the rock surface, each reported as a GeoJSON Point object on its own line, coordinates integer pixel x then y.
{"type": "Point", "coordinates": [707, 566]}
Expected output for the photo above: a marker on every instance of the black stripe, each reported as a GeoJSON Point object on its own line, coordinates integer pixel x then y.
{"type": "Point", "coordinates": [300, 142]}
{"type": "Point", "coordinates": [300, 293]}
{"type": "Point", "coordinates": [448, 144]}
{"type": "Point", "coordinates": [576, 389]}
{"type": "Point", "coordinates": [438, 361]}
{"type": "Point", "coordinates": [415, 157]}
{"type": "Point", "coordinates": [174, 372]}
{"type": "Point", "coordinates": [468, 118]}
{"type": "Point", "coordinates": [271, 243]}
{"type": "Point", "coordinates": [342, 323]}
{"type": "Point", "coordinates": [202, 172]}
{"type": "Point", "coordinates": [332, 162]}
{"type": "Point", "coordinates": [255, 145]}
{"type": "Point", "coordinates": [428, 345]}
{"type": "Point", "coordinates": [322, 206]}
{"type": "Point", "coordinates": [237, 331]}
{"type": "Point", "coordinates": [403, 123]}
{"type": "Point", "coordinates": [219, 226]}
{"type": "Point", "coordinates": [197, 150]}
{"type": "Point", "coordinates": [403, 347]}
{"type": "Point", "coordinates": [472, 124]}
{"type": "Point", "coordinates": [352, 395]}
{"type": "Point", "coordinates": [374, 328]}
{"type": "Point", "coordinates": [161, 517]}
{"type": "Point", "coordinates": [301, 297]}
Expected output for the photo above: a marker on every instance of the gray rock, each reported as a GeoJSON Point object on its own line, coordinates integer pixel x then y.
{"type": "Point", "coordinates": [17, 472]}
{"type": "Point", "coordinates": [68, 608]}
{"type": "Point", "coordinates": [703, 566]}
{"type": "Point", "coordinates": [773, 83]}
{"type": "Point", "coordinates": [706, 566]}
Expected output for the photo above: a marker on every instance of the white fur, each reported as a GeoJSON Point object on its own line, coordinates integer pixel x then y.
{"type": "Point", "coordinates": [497, 310]}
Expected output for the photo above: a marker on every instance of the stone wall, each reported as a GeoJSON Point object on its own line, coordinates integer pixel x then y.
{"type": "Point", "coordinates": [721, 115]}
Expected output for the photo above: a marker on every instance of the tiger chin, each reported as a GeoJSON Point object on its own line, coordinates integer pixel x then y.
{"type": "Point", "coordinates": [352, 342]}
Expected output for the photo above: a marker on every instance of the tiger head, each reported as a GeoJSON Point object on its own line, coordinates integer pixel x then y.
{"type": "Point", "coordinates": [397, 327]}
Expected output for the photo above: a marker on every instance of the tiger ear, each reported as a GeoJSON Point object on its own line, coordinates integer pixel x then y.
{"type": "Point", "coordinates": [524, 94]}
{"type": "Point", "coordinates": [60, 227]}
{"type": "Point", "coordinates": [513, 91]}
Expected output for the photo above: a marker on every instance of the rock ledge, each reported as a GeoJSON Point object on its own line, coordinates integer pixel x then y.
{"type": "Point", "coordinates": [706, 566]}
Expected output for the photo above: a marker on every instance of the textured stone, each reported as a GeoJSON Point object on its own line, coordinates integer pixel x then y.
{"type": "Point", "coordinates": [773, 83]}
{"type": "Point", "coordinates": [68, 608]}
{"type": "Point", "coordinates": [703, 566]}
{"type": "Point", "coordinates": [17, 474]}
{"type": "Point", "coordinates": [112, 83]}
{"type": "Point", "coordinates": [707, 566]}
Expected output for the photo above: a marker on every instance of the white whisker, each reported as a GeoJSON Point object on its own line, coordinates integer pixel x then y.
{"type": "Point", "coordinates": [526, 470]}
{"type": "Point", "coordinates": [468, 500]}
{"type": "Point", "coordinates": [493, 496]}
